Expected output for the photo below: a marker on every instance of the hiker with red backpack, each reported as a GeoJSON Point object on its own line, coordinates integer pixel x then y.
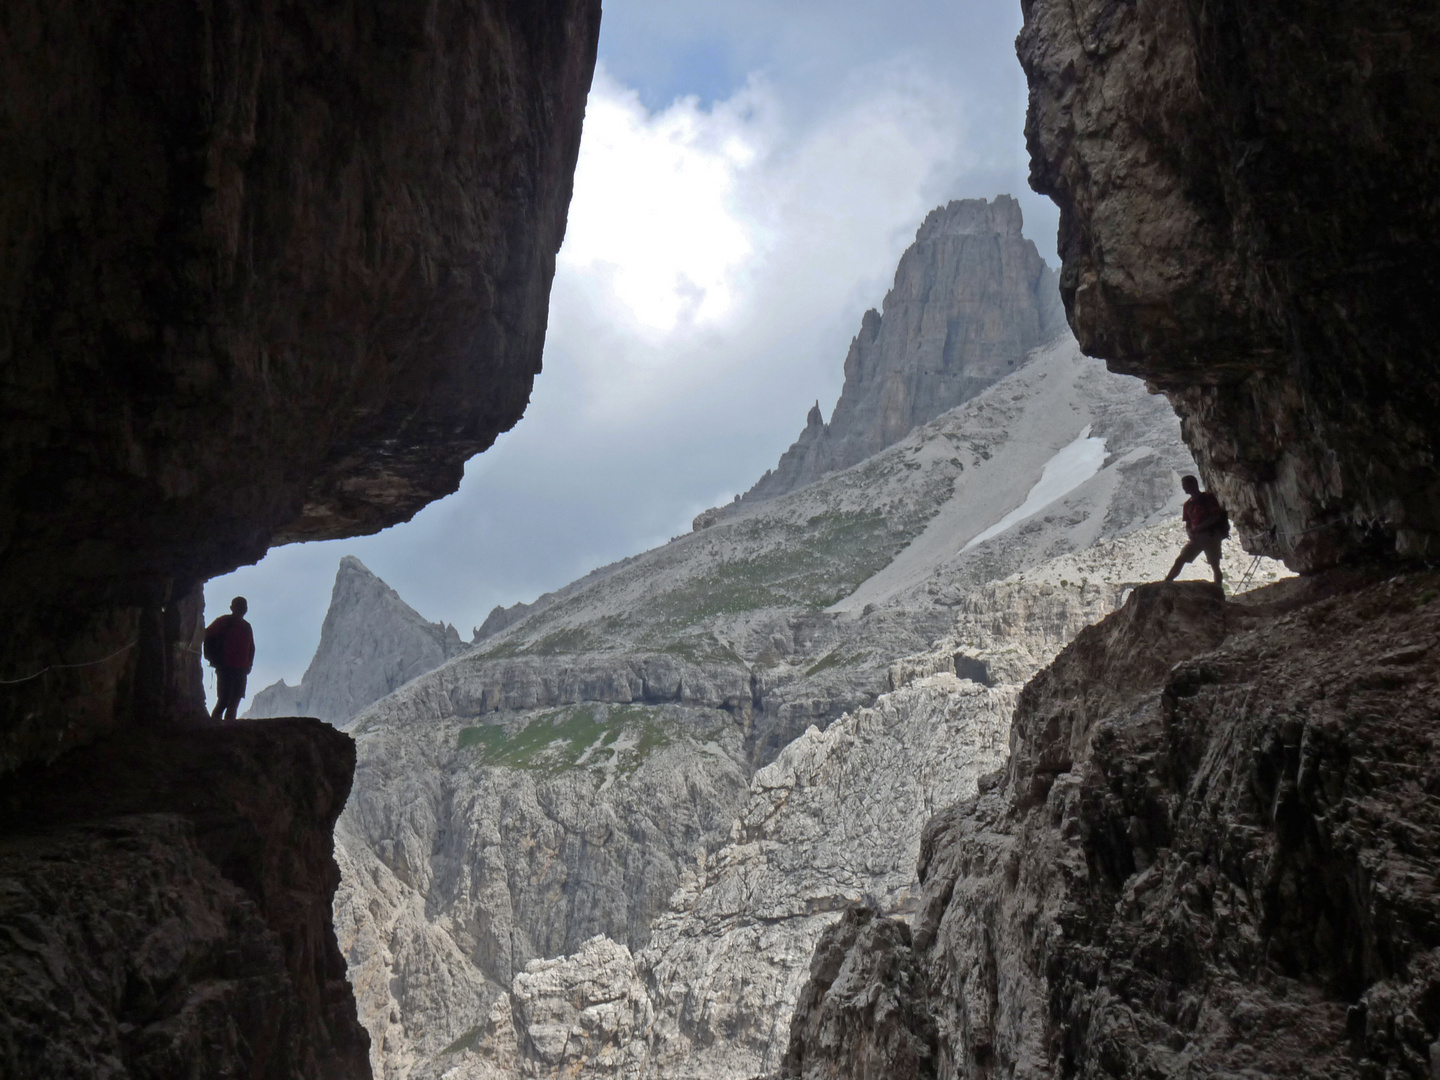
{"type": "Point", "coordinates": [1207, 525]}
{"type": "Point", "coordinates": [230, 649]}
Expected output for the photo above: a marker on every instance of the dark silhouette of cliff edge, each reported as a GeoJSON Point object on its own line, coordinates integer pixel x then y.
{"type": "Point", "coordinates": [271, 273]}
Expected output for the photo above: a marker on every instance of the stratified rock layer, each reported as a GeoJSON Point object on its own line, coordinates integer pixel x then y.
{"type": "Point", "coordinates": [1248, 220]}
{"type": "Point", "coordinates": [165, 909]}
{"type": "Point", "coordinates": [371, 643]}
{"type": "Point", "coordinates": [1212, 851]}
{"type": "Point", "coordinates": [971, 297]}
{"type": "Point", "coordinates": [271, 273]}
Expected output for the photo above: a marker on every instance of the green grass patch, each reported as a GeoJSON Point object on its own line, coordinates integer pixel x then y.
{"type": "Point", "coordinates": [488, 736]}
{"type": "Point", "coordinates": [464, 1042]}
{"type": "Point", "coordinates": [833, 659]}
{"type": "Point", "coordinates": [572, 639]}
{"type": "Point", "coordinates": [567, 641]}
{"type": "Point", "coordinates": [503, 651]}
{"type": "Point", "coordinates": [620, 734]}
{"type": "Point", "coordinates": [815, 565]}
{"type": "Point", "coordinates": [704, 649]}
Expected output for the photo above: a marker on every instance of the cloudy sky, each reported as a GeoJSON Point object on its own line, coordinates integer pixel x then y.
{"type": "Point", "coordinates": [749, 174]}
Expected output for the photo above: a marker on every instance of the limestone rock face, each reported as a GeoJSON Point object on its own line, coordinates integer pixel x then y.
{"type": "Point", "coordinates": [586, 1012]}
{"type": "Point", "coordinates": [865, 1008]}
{"type": "Point", "coordinates": [1211, 850]}
{"type": "Point", "coordinates": [834, 820]}
{"type": "Point", "coordinates": [1247, 221]}
{"type": "Point", "coordinates": [270, 275]}
{"type": "Point", "coordinates": [472, 849]}
{"type": "Point", "coordinates": [707, 752]}
{"type": "Point", "coordinates": [165, 908]}
{"type": "Point", "coordinates": [370, 643]}
{"type": "Point", "coordinates": [837, 820]}
{"type": "Point", "coordinates": [971, 298]}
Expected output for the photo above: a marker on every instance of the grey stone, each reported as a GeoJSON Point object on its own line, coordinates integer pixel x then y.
{"type": "Point", "coordinates": [1191, 864]}
{"type": "Point", "coordinates": [371, 643]}
{"type": "Point", "coordinates": [1246, 222]}
{"type": "Point", "coordinates": [971, 298]}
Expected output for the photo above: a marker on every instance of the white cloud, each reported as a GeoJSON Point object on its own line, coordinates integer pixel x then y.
{"type": "Point", "coordinates": [699, 237]}
{"type": "Point", "coordinates": [653, 227]}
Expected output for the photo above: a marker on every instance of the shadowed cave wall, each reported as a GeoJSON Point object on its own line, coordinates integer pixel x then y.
{"type": "Point", "coordinates": [268, 272]}
{"type": "Point", "coordinates": [271, 273]}
{"type": "Point", "coordinates": [1249, 220]}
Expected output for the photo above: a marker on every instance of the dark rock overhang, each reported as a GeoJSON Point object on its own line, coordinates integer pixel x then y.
{"type": "Point", "coordinates": [270, 274]}
{"type": "Point", "coordinates": [1249, 221]}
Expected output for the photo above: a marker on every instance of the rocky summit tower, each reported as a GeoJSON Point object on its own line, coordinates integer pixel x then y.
{"type": "Point", "coordinates": [971, 298]}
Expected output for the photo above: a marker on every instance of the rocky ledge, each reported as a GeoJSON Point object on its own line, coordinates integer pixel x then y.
{"type": "Point", "coordinates": [1212, 852]}
{"type": "Point", "coordinates": [165, 908]}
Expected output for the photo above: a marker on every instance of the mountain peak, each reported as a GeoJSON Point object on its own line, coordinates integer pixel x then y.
{"type": "Point", "coordinates": [370, 643]}
{"type": "Point", "coordinates": [973, 217]}
{"type": "Point", "coordinates": [972, 297]}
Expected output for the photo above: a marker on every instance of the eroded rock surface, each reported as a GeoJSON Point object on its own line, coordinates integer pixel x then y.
{"type": "Point", "coordinates": [864, 1009]}
{"type": "Point", "coordinates": [971, 298]}
{"type": "Point", "coordinates": [1212, 850]}
{"type": "Point", "coordinates": [471, 851]}
{"type": "Point", "coordinates": [1247, 221]}
{"type": "Point", "coordinates": [165, 901]}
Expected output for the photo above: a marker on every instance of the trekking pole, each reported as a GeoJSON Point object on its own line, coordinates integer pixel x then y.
{"type": "Point", "coordinates": [1248, 573]}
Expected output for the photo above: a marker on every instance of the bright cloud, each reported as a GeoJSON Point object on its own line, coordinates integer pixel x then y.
{"type": "Point", "coordinates": [654, 219]}
{"type": "Point", "coordinates": [699, 238]}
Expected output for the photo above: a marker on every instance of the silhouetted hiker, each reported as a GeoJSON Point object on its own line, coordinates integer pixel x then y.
{"type": "Point", "coordinates": [230, 648]}
{"type": "Point", "coordinates": [1207, 524]}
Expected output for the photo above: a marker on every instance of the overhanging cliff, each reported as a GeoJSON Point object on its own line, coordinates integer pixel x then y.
{"type": "Point", "coordinates": [270, 273]}
{"type": "Point", "coordinates": [1248, 220]}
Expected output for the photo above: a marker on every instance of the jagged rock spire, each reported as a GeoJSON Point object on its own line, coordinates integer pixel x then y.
{"type": "Point", "coordinates": [371, 643]}
{"type": "Point", "coordinates": [971, 298]}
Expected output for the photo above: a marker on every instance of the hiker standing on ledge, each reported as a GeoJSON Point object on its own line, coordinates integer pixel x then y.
{"type": "Point", "coordinates": [230, 648]}
{"type": "Point", "coordinates": [1207, 524]}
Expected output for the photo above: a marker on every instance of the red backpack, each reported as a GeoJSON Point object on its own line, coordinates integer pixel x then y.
{"type": "Point", "coordinates": [214, 647]}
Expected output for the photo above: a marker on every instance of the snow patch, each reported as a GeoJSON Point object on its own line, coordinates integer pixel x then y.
{"type": "Point", "coordinates": [1071, 466]}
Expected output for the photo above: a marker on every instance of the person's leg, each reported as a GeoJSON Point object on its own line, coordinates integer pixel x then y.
{"type": "Point", "coordinates": [237, 691]}
{"type": "Point", "coordinates": [225, 696]}
{"type": "Point", "coordinates": [1212, 552]}
{"type": "Point", "coordinates": [1188, 552]}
